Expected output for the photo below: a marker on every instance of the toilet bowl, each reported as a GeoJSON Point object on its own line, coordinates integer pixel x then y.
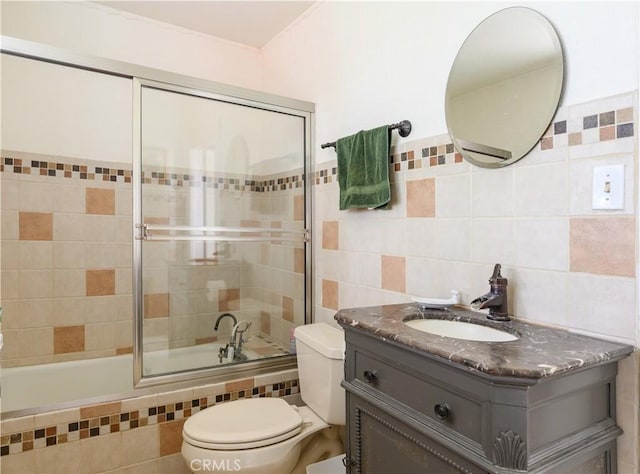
{"type": "Point", "coordinates": [267, 435]}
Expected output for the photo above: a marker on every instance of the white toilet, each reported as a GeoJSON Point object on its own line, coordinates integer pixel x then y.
{"type": "Point", "coordinates": [267, 435]}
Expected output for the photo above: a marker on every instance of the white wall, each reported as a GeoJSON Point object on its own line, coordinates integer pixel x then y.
{"type": "Point", "coordinates": [103, 130]}
{"type": "Point", "coordinates": [64, 111]}
{"type": "Point", "coordinates": [90, 28]}
{"type": "Point", "coordinates": [369, 63]}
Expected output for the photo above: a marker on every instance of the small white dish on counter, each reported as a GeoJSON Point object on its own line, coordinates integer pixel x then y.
{"type": "Point", "coordinates": [435, 303]}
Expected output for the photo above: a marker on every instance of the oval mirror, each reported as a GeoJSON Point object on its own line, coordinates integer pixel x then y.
{"type": "Point", "coordinates": [504, 87]}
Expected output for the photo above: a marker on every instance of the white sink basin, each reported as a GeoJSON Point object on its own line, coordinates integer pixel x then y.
{"type": "Point", "coordinates": [460, 330]}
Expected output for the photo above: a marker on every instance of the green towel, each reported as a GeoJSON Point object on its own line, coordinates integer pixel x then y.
{"type": "Point", "coordinates": [363, 169]}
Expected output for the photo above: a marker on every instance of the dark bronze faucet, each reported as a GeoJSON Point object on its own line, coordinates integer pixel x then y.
{"type": "Point", "coordinates": [496, 299]}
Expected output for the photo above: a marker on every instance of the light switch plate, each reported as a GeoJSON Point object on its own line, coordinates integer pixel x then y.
{"type": "Point", "coordinates": [608, 187]}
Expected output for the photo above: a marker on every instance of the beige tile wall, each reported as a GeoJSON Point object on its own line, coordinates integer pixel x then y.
{"type": "Point", "coordinates": [451, 222]}
{"type": "Point", "coordinates": [257, 282]}
{"type": "Point", "coordinates": [66, 258]}
{"type": "Point", "coordinates": [567, 265]}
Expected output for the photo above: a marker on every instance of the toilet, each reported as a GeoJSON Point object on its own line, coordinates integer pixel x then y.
{"type": "Point", "coordinates": [267, 435]}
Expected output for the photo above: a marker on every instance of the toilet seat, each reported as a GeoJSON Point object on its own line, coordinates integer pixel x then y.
{"type": "Point", "coordinates": [243, 424]}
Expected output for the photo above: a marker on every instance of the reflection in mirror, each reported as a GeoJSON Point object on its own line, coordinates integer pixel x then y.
{"type": "Point", "coordinates": [504, 87]}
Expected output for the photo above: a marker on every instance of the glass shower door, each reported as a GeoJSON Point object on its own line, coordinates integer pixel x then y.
{"type": "Point", "coordinates": [222, 240]}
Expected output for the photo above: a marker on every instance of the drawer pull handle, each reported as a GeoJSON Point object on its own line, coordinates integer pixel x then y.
{"type": "Point", "coordinates": [370, 376]}
{"type": "Point", "coordinates": [441, 411]}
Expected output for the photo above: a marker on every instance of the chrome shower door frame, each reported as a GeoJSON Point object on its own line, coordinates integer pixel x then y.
{"type": "Point", "coordinates": [141, 231]}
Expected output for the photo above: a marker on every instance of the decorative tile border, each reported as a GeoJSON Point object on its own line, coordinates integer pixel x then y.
{"type": "Point", "coordinates": [441, 154]}
{"type": "Point", "coordinates": [104, 422]}
{"type": "Point", "coordinates": [221, 182]}
{"type": "Point", "coordinates": [593, 128]}
{"type": "Point", "coordinates": [53, 169]}
{"type": "Point", "coordinates": [600, 127]}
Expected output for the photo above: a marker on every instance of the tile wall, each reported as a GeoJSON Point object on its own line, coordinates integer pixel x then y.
{"type": "Point", "coordinates": [189, 284]}
{"type": "Point", "coordinates": [141, 435]}
{"type": "Point", "coordinates": [450, 222]}
{"type": "Point", "coordinates": [67, 259]}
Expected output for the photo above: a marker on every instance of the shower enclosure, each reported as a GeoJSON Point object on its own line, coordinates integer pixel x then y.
{"type": "Point", "coordinates": [144, 250]}
{"type": "Point", "coordinates": [220, 253]}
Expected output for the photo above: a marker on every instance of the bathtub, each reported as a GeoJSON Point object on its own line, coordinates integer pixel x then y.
{"type": "Point", "coordinates": [41, 385]}
{"type": "Point", "coordinates": [34, 386]}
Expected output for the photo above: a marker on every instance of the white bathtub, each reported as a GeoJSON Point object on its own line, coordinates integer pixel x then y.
{"type": "Point", "coordinates": [34, 386]}
{"type": "Point", "coordinates": [40, 385]}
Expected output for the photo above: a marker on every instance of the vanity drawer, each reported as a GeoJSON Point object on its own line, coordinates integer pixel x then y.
{"type": "Point", "coordinates": [443, 405]}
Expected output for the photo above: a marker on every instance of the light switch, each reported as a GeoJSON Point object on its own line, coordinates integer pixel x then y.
{"type": "Point", "coordinates": [608, 187]}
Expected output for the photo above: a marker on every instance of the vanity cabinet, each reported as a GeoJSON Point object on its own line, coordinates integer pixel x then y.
{"type": "Point", "coordinates": [409, 411]}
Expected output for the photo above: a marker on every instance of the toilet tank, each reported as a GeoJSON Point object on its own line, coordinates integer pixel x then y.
{"type": "Point", "coordinates": [320, 353]}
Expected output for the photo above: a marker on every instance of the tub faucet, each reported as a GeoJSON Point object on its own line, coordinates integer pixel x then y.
{"type": "Point", "coordinates": [221, 317]}
{"type": "Point", "coordinates": [496, 299]}
{"type": "Point", "coordinates": [232, 351]}
{"type": "Point", "coordinates": [237, 339]}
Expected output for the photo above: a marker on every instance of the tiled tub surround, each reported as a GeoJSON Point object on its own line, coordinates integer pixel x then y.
{"type": "Point", "coordinates": [193, 282]}
{"type": "Point", "coordinates": [67, 271]}
{"type": "Point", "coordinates": [66, 258]}
{"type": "Point", "coordinates": [135, 435]}
{"type": "Point", "coordinates": [568, 265]}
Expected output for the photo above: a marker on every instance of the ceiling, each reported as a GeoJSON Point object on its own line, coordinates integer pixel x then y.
{"type": "Point", "coordinates": [253, 23]}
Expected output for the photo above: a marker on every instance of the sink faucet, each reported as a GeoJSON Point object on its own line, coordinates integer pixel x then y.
{"type": "Point", "coordinates": [496, 299]}
{"type": "Point", "coordinates": [221, 317]}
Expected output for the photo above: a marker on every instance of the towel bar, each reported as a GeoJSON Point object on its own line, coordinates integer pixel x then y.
{"type": "Point", "coordinates": [404, 131]}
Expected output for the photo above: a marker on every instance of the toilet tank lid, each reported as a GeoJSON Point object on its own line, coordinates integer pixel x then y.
{"type": "Point", "coordinates": [326, 339]}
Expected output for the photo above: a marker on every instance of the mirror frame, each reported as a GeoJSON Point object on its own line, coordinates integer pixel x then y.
{"type": "Point", "coordinates": [552, 98]}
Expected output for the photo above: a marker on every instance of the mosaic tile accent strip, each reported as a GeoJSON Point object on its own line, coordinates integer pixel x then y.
{"type": "Point", "coordinates": [611, 125]}
{"type": "Point", "coordinates": [442, 154]}
{"type": "Point", "coordinates": [107, 423]}
{"type": "Point", "coordinates": [234, 184]}
{"type": "Point", "coordinates": [325, 176]}
{"type": "Point", "coordinates": [64, 170]}
{"type": "Point", "coordinates": [221, 182]}
{"type": "Point", "coordinates": [9, 164]}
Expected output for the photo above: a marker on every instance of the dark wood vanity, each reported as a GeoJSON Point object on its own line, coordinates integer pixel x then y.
{"type": "Point", "coordinates": [417, 402]}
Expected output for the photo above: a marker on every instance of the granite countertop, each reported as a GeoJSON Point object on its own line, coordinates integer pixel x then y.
{"type": "Point", "coordinates": [538, 352]}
